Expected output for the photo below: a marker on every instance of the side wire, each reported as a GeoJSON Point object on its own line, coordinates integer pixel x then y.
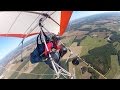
{"type": "Point", "coordinates": [13, 23]}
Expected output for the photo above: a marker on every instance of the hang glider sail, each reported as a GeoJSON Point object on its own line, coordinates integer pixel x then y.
{"type": "Point", "coordinates": [24, 24]}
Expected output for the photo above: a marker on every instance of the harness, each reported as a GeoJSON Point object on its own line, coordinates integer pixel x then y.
{"type": "Point", "coordinates": [49, 44]}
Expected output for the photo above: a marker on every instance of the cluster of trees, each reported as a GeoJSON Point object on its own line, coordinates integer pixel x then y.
{"type": "Point", "coordinates": [115, 37]}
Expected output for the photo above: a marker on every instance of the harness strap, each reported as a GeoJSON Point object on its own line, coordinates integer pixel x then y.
{"type": "Point", "coordinates": [40, 37]}
{"type": "Point", "coordinates": [38, 48]}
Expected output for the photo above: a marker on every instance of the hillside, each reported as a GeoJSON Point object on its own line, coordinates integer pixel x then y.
{"type": "Point", "coordinates": [95, 21]}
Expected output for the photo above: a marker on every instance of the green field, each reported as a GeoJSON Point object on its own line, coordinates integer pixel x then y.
{"type": "Point", "coordinates": [97, 52]}
{"type": "Point", "coordinates": [68, 41]}
{"type": "Point", "coordinates": [90, 43]}
{"type": "Point", "coordinates": [114, 67]}
{"type": "Point", "coordinates": [42, 69]}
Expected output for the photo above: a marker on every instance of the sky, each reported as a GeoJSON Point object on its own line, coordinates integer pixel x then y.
{"type": "Point", "coordinates": [81, 14]}
{"type": "Point", "coordinates": [7, 44]}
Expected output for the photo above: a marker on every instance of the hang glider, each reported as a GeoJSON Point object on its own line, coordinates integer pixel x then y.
{"type": "Point", "coordinates": [25, 23]}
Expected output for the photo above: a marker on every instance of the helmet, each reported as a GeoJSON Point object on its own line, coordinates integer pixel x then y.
{"type": "Point", "coordinates": [56, 38]}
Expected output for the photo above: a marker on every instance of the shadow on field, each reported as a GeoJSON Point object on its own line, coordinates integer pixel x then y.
{"type": "Point", "coordinates": [100, 57]}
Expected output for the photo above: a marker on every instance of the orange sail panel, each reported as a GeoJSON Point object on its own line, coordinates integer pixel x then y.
{"type": "Point", "coordinates": [65, 17]}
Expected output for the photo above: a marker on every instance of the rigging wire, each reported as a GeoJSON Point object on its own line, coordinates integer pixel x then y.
{"type": "Point", "coordinates": [38, 24]}
{"type": "Point", "coordinates": [46, 15]}
{"type": "Point", "coordinates": [13, 23]}
{"type": "Point", "coordinates": [28, 29]}
{"type": "Point", "coordinates": [31, 24]}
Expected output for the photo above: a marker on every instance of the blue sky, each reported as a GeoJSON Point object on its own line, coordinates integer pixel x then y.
{"type": "Point", "coordinates": [7, 44]}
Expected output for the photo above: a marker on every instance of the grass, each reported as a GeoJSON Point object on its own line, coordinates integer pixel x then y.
{"type": "Point", "coordinates": [22, 65]}
{"type": "Point", "coordinates": [90, 43]}
{"type": "Point", "coordinates": [97, 52]}
{"type": "Point", "coordinates": [15, 74]}
{"type": "Point", "coordinates": [41, 68]}
{"type": "Point", "coordinates": [114, 67]}
{"type": "Point", "coordinates": [78, 73]}
{"type": "Point", "coordinates": [28, 76]}
{"type": "Point", "coordinates": [115, 62]}
{"type": "Point", "coordinates": [68, 41]}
